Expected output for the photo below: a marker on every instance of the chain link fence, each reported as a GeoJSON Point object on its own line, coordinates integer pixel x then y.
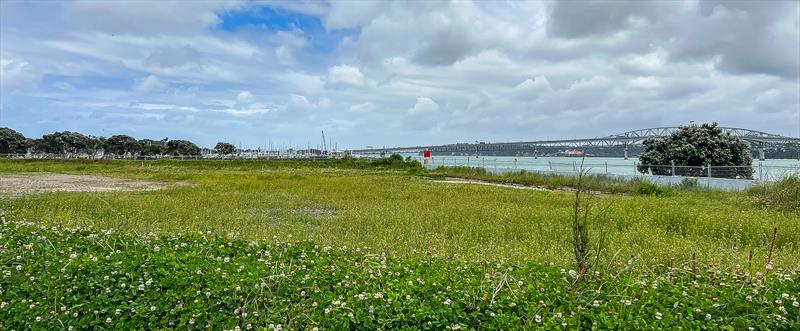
{"type": "Point", "coordinates": [721, 177]}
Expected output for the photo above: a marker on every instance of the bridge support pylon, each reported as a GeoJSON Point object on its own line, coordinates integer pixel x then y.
{"type": "Point", "coordinates": [626, 151]}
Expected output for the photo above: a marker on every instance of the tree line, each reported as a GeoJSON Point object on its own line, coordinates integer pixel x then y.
{"type": "Point", "coordinates": [68, 142]}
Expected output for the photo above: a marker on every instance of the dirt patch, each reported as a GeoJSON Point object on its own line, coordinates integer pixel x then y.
{"type": "Point", "coordinates": [472, 181]}
{"type": "Point", "coordinates": [20, 184]}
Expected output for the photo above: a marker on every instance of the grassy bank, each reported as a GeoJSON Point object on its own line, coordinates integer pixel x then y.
{"type": "Point", "coordinates": [60, 278]}
{"type": "Point", "coordinates": [410, 215]}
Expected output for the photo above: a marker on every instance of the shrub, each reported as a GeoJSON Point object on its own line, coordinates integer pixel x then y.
{"type": "Point", "coordinates": [644, 187]}
{"type": "Point", "coordinates": [782, 195]}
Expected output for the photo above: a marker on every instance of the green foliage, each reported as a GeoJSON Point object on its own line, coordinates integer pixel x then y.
{"type": "Point", "coordinates": [697, 146]}
{"type": "Point", "coordinates": [122, 144]}
{"type": "Point", "coordinates": [83, 278]}
{"type": "Point", "coordinates": [62, 142]}
{"type": "Point", "coordinates": [153, 147]}
{"type": "Point", "coordinates": [782, 195]}
{"type": "Point", "coordinates": [12, 142]}
{"type": "Point", "coordinates": [182, 148]}
{"type": "Point", "coordinates": [645, 187]}
{"type": "Point", "coordinates": [225, 148]}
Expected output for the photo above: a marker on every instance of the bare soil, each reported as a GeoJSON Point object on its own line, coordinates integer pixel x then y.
{"type": "Point", "coordinates": [479, 182]}
{"type": "Point", "coordinates": [20, 184]}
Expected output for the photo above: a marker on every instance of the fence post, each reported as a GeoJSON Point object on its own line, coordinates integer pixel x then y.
{"type": "Point", "coordinates": [760, 172]}
{"type": "Point", "coordinates": [708, 181]}
{"type": "Point", "coordinates": [468, 160]}
{"type": "Point", "coordinates": [495, 165]}
{"type": "Point", "coordinates": [606, 167]}
{"type": "Point", "coordinates": [549, 164]}
{"type": "Point", "coordinates": [672, 162]}
{"type": "Point", "coordinates": [515, 163]}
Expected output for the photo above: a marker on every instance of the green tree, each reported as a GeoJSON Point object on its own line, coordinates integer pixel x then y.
{"type": "Point", "coordinates": [224, 148]}
{"type": "Point", "coordinates": [697, 146]}
{"type": "Point", "coordinates": [12, 142]}
{"type": "Point", "coordinates": [153, 147]}
{"type": "Point", "coordinates": [121, 145]}
{"type": "Point", "coordinates": [182, 148]}
{"type": "Point", "coordinates": [95, 144]}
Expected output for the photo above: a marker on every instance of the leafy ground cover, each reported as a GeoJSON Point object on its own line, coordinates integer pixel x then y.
{"type": "Point", "coordinates": [82, 278]}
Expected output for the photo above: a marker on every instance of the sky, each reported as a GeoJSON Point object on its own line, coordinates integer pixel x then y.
{"type": "Point", "coordinates": [260, 73]}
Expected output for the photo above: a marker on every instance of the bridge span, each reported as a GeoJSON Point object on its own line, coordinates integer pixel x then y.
{"type": "Point", "coordinates": [755, 138]}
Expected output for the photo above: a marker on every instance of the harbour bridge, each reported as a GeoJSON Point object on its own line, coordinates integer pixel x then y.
{"type": "Point", "coordinates": [756, 139]}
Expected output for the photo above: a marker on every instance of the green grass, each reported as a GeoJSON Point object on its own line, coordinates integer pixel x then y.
{"type": "Point", "coordinates": [782, 195]}
{"type": "Point", "coordinates": [411, 215]}
{"type": "Point", "coordinates": [78, 278]}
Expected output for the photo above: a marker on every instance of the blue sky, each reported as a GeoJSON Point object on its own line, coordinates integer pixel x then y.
{"type": "Point", "coordinates": [395, 73]}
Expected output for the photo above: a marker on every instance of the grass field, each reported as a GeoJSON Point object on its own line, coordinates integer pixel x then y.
{"type": "Point", "coordinates": [465, 236]}
{"type": "Point", "coordinates": [411, 215]}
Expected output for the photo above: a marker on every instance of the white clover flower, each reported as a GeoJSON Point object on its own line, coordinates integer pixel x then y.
{"type": "Point", "coordinates": [350, 315]}
{"type": "Point", "coordinates": [626, 302]}
{"type": "Point", "coordinates": [785, 295]}
{"type": "Point", "coordinates": [141, 287]}
{"type": "Point", "coordinates": [19, 267]}
{"type": "Point", "coordinates": [118, 311]}
{"type": "Point", "coordinates": [782, 309]}
{"type": "Point", "coordinates": [537, 318]}
{"type": "Point", "coordinates": [658, 316]}
{"type": "Point", "coordinates": [595, 303]}
{"type": "Point", "coordinates": [795, 304]}
{"type": "Point", "coordinates": [573, 273]}
{"type": "Point", "coordinates": [73, 256]}
{"type": "Point", "coordinates": [191, 321]}
{"type": "Point", "coordinates": [108, 320]}
{"type": "Point", "coordinates": [708, 316]}
{"type": "Point", "coordinates": [448, 302]}
{"type": "Point", "coordinates": [38, 318]}
{"type": "Point", "coordinates": [156, 249]}
{"type": "Point", "coordinates": [378, 295]}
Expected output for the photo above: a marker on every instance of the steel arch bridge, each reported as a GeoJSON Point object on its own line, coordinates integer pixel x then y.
{"type": "Point", "coordinates": [755, 138]}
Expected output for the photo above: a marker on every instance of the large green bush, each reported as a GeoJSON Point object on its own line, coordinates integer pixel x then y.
{"type": "Point", "coordinates": [697, 146]}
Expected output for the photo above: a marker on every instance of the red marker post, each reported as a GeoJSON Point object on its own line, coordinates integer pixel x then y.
{"type": "Point", "coordinates": [427, 155]}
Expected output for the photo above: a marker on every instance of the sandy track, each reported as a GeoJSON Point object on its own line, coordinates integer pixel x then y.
{"type": "Point", "coordinates": [20, 184]}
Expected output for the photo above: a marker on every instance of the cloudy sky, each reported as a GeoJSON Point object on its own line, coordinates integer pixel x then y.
{"type": "Point", "coordinates": [395, 73]}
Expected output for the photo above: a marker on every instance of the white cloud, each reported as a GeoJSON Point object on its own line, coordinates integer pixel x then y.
{"type": "Point", "coordinates": [244, 97]}
{"type": "Point", "coordinates": [531, 89]}
{"type": "Point", "coordinates": [645, 83]}
{"type": "Point", "coordinates": [137, 17]}
{"type": "Point", "coordinates": [517, 70]}
{"type": "Point", "coordinates": [344, 75]}
{"type": "Point", "coordinates": [424, 106]}
{"type": "Point", "coordinates": [16, 74]}
{"type": "Point", "coordinates": [365, 107]}
{"type": "Point", "coordinates": [149, 84]}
